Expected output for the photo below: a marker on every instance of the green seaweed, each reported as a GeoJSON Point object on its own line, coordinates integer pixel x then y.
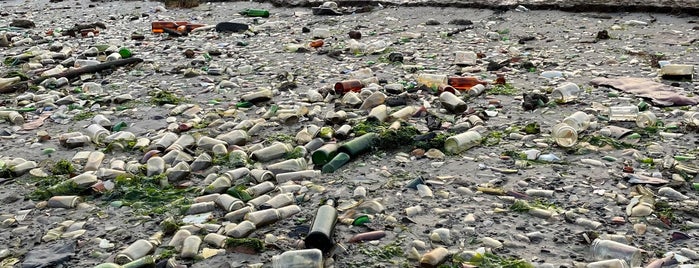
{"type": "Point", "coordinates": [504, 89]}
{"type": "Point", "coordinates": [520, 206]}
{"type": "Point", "coordinates": [385, 252]}
{"type": "Point", "coordinates": [51, 186]}
{"type": "Point", "coordinates": [147, 196]}
{"type": "Point", "coordinates": [285, 138]}
{"type": "Point", "coordinates": [165, 97]}
{"type": "Point", "coordinates": [239, 192]}
{"type": "Point", "coordinates": [297, 152]}
{"type": "Point", "coordinates": [62, 167]}
{"type": "Point", "coordinates": [83, 116]}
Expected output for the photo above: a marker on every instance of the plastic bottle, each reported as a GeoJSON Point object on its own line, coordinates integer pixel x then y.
{"type": "Point", "coordinates": [321, 234]}
{"type": "Point", "coordinates": [305, 258]}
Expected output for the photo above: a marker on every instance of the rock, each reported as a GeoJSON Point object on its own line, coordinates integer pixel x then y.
{"type": "Point", "coordinates": [21, 23]}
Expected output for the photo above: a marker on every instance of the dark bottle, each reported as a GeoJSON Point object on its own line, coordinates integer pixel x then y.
{"type": "Point", "coordinates": [337, 162]}
{"type": "Point", "coordinates": [359, 144]}
{"type": "Point", "coordinates": [348, 85]}
{"type": "Point", "coordinates": [321, 234]}
{"type": "Point", "coordinates": [324, 154]}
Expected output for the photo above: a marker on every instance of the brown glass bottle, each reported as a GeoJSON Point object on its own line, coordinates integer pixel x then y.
{"type": "Point", "coordinates": [159, 26]}
{"type": "Point", "coordinates": [348, 85]}
{"type": "Point", "coordinates": [465, 83]}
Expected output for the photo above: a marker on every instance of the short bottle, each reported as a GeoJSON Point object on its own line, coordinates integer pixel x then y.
{"type": "Point", "coordinates": [579, 120]}
{"type": "Point", "coordinates": [352, 85]}
{"type": "Point", "coordinates": [462, 142]}
{"type": "Point", "coordinates": [565, 93]}
{"type": "Point", "coordinates": [307, 258]}
{"type": "Point", "coordinates": [564, 135]}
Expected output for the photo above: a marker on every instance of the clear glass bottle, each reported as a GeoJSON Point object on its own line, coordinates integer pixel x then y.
{"type": "Point", "coordinates": [607, 249]}
{"type": "Point", "coordinates": [305, 258]}
{"type": "Point", "coordinates": [580, 121]}
{"type": "Point", "coordinates": [565, 93]}
{"type": "Point", "coordinates": [623, 113]}
{"type": "Point", "coordinates": [646, 119]}
{"type": "Point", "coordinates": [564, 135]}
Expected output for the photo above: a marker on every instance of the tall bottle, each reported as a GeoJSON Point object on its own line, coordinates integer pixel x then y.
{"type": "Point", "coordinates": [321, 234]}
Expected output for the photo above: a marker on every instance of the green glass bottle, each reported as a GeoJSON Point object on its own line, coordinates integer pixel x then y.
{"type": "Point", "coordinates": [255, 13]}
{"type": "Point", "coordinates": [337, 162]}
{"type": "Point", "coordinates": [324, 154]}
{"type": "Point", "coordinates": [359, 145]}
{"type": "Point", "coordinates": [321, 234]}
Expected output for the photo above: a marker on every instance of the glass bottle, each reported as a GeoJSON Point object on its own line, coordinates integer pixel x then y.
{"type": "Point", "coordinates": [465, 83]}
{"type": "Point", "coordinates": [337, 162]}
{"type": "Point", "coordinates": [345, 86]}
{"type": "Point", "coordinates": [564, 135]}
{"type": "Point", "coordinates": [324, 154]}
{"type": "Point", "coordinates": [254, 13]}
{"type": "Point", "coordinates": [358, 145]}
{"type": "Point", "coordinates": [607, 249]}
{"type": "Point", "coordinates": [160, 26]}
{"type": "Point", "coordinates": [321, 234]}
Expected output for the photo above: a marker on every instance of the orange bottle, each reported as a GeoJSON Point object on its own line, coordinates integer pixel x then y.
{"type": "Point", "coordinates": [348, 85]}
{"type": "Point", "coordinates": [317, 43]}
{"type": "Point", "coordinates": [465, 83]}
{"type": "Point", "coordinates": [159, 26]}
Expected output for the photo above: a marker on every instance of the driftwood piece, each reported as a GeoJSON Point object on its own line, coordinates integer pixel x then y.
{"type": "Point", "coordinates": [70, 74]}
